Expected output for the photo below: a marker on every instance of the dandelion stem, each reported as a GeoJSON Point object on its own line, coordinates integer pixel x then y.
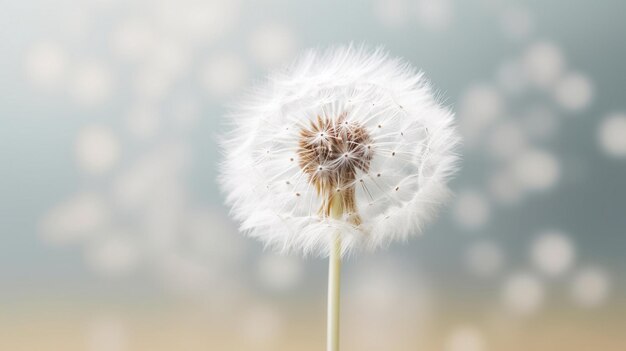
{"type": "Point", "coordinates": [334, 281]}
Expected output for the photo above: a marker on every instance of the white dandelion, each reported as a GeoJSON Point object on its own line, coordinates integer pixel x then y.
{"type": "Point", "coordinates": [342, 151]}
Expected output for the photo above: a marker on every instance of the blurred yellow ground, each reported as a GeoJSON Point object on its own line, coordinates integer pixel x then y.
{"type": "Point", "coordinates": [93, 327]}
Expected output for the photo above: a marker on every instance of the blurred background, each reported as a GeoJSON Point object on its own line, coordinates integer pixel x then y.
{"type": "Point", "coordinates": [114, 236]}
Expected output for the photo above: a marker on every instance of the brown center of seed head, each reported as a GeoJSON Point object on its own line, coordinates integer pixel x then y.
{"type": "Point", "coordinates": [330, 152]}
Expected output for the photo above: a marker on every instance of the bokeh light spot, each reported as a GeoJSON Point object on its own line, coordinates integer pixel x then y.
{"type": "Point", "coordinates": [553, 253]}
{"type": "Point", "coordinates": [97, 149]}
{"type": "Point", "coordinates": [523, 293]}
{"type": "Point", "coordinates": [590, 287]}
{"type": "Point", "coordinates": [612, 135]}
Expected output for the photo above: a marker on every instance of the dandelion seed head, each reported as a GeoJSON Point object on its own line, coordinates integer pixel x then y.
{"type": "Point", "coordinates": [346, 128]}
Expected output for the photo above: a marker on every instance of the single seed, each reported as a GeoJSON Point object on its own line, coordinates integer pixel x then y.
{"type": "Point", "coordinates": [397, 188]}
{"type": "Point", "coordinates": [393, 153]}
{"type": "Point", "coordinates": [297, 194]}
{"type": "Point", "coordinates": [378, 175]}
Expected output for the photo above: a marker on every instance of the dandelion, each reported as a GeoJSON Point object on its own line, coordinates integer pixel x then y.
{"type": "Point", "coordinates": [345, 150]}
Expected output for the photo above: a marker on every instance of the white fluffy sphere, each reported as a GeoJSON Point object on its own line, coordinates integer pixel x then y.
{"type": "Point", "coordinates": [345, 129]}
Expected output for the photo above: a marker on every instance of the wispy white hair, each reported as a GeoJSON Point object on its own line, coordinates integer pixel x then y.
{"type": "Point", "coordinates": [413, 138]}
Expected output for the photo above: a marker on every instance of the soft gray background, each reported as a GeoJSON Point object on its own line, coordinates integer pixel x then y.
{"type": "Point", "coordinates": [44, 110]}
